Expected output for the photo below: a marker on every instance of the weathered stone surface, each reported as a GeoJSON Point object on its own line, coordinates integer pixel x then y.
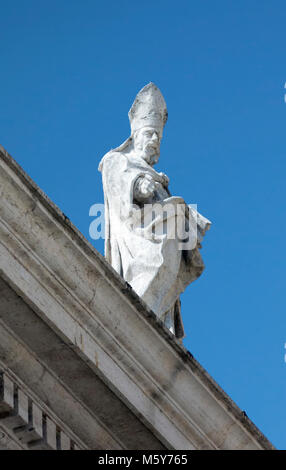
{"type": "Point", "coordinates": [65, 393]}
{"type": "Point", "coordinates": [82, 320]}
{"type": "Point", "coordinates": [6, 443]}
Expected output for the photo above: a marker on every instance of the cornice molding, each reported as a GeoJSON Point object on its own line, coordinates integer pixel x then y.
{"type": "Point", "coordinates": [49, 263]}
{"type": "Point", "coordinates": [26, 422]}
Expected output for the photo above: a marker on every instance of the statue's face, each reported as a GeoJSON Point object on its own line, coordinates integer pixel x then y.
{"type": "Point", "coordinates": [147, 143]}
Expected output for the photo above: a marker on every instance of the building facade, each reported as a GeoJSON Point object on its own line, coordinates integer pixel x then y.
{"type": "Point", "coordinates": [84, 364]}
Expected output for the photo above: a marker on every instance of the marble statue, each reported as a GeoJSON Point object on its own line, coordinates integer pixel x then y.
{"type": "Point", "coordinates": [156, 260]}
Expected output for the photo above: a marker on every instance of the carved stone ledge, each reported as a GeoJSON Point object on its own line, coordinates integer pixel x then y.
{"type": "Point", "coordinates": [23, 421]}
{"type": "Point", "coordinates": [50, 265]}
{"type": "Point", "coordinates": [61, 385]}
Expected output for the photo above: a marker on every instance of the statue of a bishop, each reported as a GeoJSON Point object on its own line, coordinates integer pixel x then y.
{"type": "Point", "coordinates": [152, 239]}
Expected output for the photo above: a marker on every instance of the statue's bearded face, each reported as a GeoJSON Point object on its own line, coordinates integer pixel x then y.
{"type": "Point", "coordinates": [147, 143]}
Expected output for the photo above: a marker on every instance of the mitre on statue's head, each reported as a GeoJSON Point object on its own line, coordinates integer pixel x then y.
{"type": "Point", "coordinates": [148, 110]}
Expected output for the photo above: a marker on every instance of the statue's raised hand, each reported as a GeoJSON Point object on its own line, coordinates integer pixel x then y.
{"type": "Point", "coordinates": [144, 187]}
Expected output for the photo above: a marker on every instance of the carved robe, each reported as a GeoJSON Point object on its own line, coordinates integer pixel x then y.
{"type": "Point", "coordinates": [149, 260]}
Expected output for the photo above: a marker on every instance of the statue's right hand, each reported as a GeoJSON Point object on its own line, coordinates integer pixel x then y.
{"type": "Point", "coordinates": [144, 188]}
{"type": "Point", "coordinates": [147, 187]}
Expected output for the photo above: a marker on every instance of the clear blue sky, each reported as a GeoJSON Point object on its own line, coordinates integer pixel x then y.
{"type": "Point", "coordinates": [69, 73]}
